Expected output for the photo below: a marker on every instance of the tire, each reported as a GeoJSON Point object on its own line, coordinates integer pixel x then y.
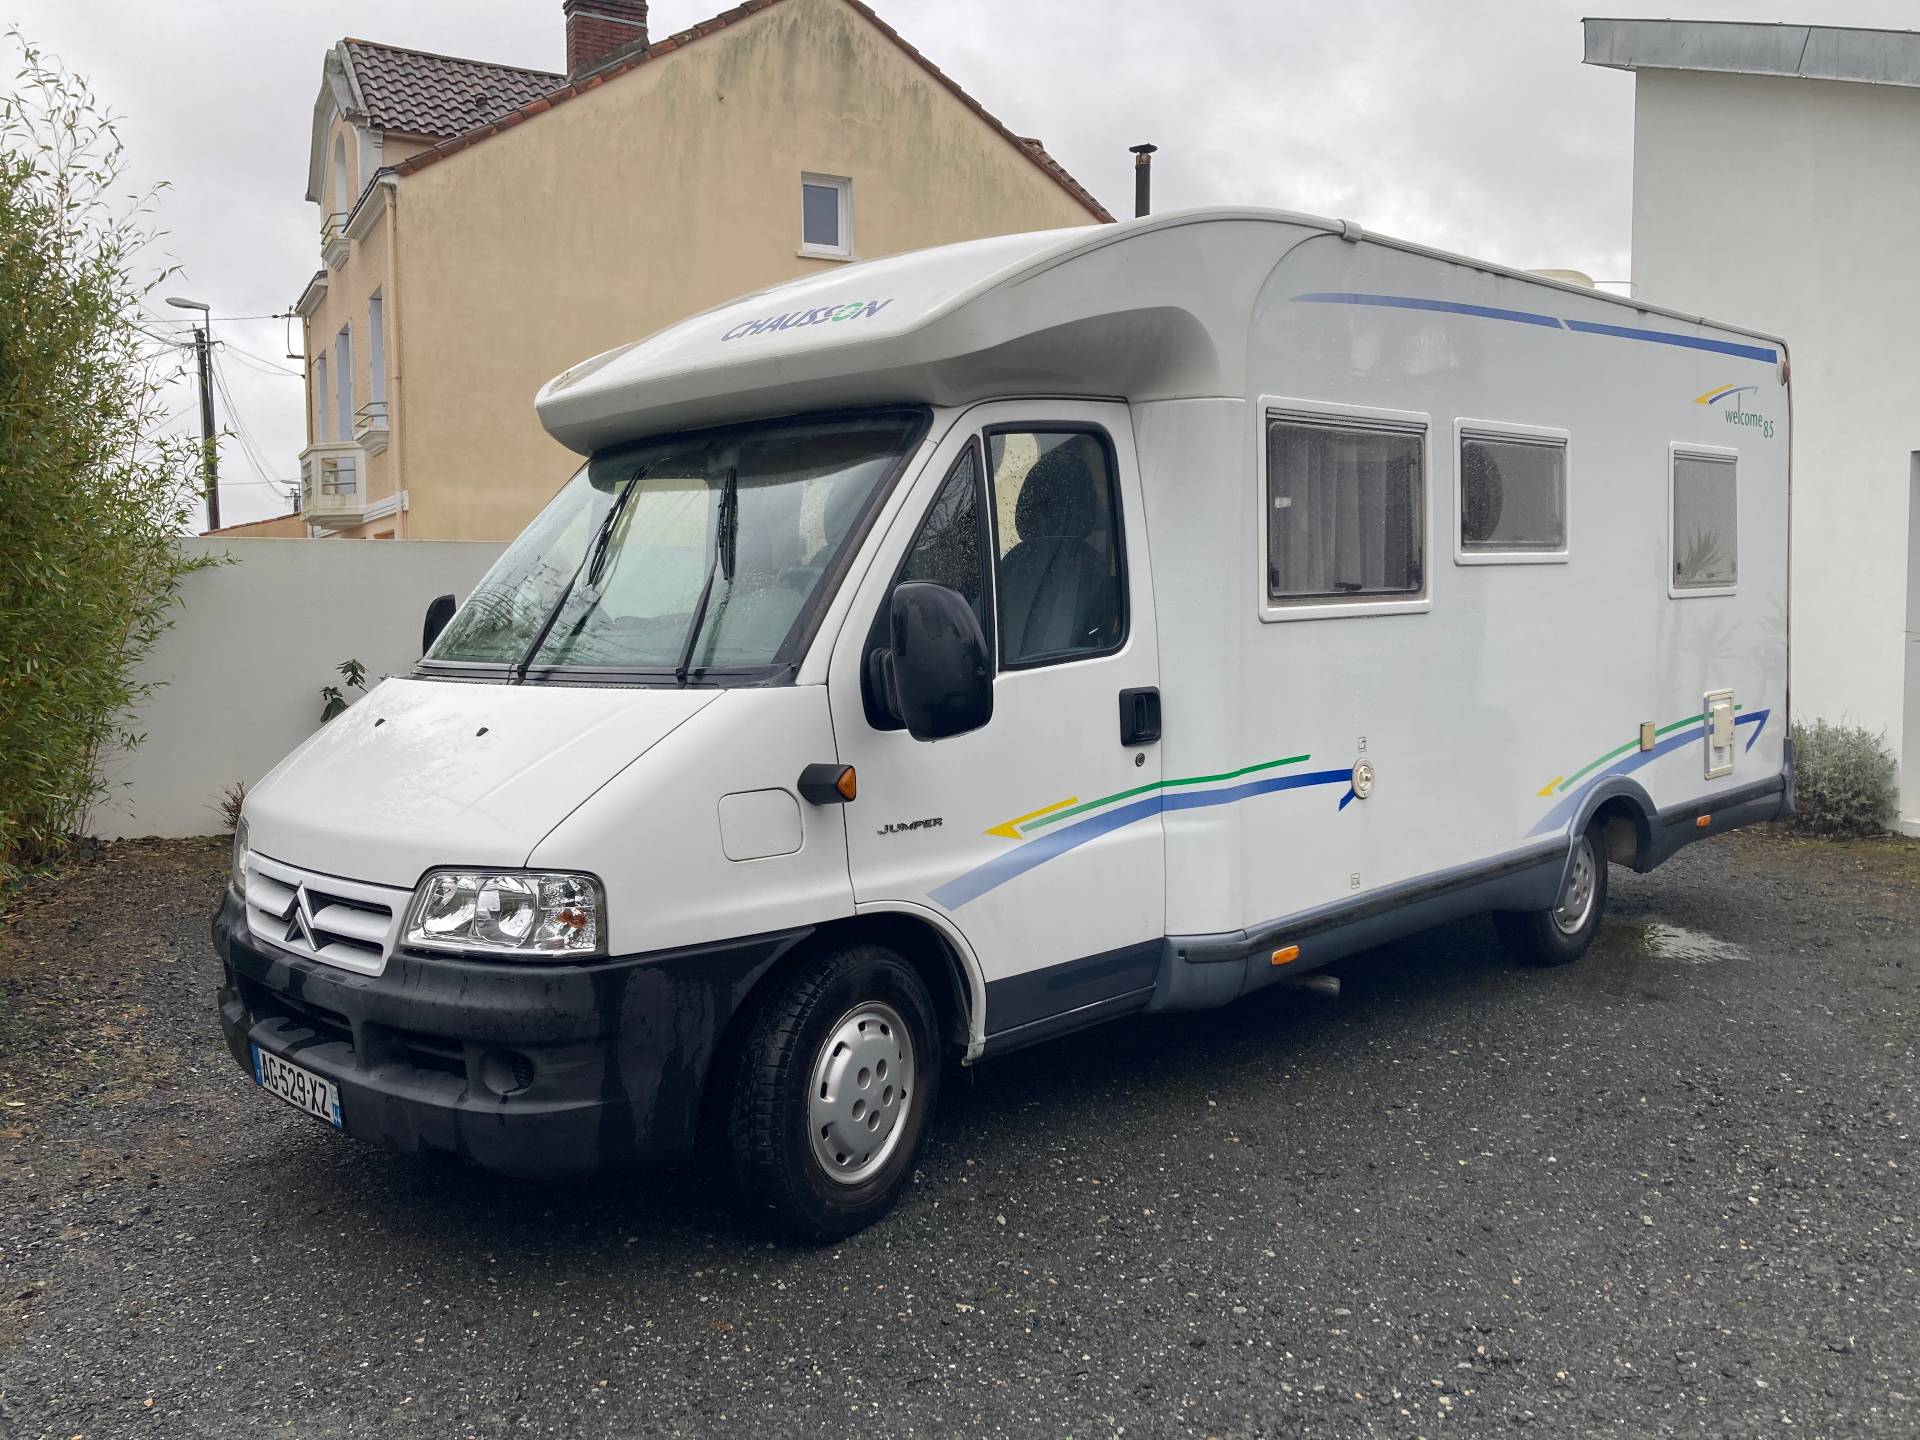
{"type": "Point", "coordinates": [831, 1093]}
{"type": "Point", "coordinates": [1561, 933]}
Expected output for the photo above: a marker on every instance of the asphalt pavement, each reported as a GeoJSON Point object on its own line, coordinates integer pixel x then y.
{"type": "Point", "coordinates": [1669, 1190]}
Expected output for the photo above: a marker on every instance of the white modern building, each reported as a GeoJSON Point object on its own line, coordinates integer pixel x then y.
{"type": "Point", "coordinates": [1776, 183]}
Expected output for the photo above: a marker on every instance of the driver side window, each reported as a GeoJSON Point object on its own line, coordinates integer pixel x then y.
{"type": "Point", "coordinates": [1061, 577]}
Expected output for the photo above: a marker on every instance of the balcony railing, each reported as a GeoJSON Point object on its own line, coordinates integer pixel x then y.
{"type": "Point", "coordinates": [332, 487]}
{"type": "Point", "coordinates": [370, 426]}
{"type": "Point", "coordinates": [333, 239]}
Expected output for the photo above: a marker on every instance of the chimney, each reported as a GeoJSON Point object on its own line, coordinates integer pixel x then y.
{"type": "Point", "coordinates": [597, 28]}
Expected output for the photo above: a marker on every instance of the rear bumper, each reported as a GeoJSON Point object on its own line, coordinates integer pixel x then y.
{"type": "Point", "coordinates": [525, 1069]}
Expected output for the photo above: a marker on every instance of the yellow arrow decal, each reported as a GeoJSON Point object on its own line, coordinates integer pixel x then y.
{"type": "Point", "coordinates": [1011, 828]}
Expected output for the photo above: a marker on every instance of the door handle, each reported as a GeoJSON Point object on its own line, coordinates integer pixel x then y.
{"type": "Point", "coordinates": [1139, 716]}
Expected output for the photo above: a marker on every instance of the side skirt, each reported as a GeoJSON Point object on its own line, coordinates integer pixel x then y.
{"type": "Point", "coordinates": [1681, 825]}
{"type": "Point", "coordinates": [1199, 972]}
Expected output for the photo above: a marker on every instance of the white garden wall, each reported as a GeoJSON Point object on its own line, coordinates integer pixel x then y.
{"type": "Point", "coordinates": [253, 642]}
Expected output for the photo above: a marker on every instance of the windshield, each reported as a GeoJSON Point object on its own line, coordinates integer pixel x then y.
{"type": "Point", "coordinates": [690, 552]}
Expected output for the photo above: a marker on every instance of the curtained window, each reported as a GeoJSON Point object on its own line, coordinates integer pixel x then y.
{"type": "Point", "coordinates": [1345, 509]}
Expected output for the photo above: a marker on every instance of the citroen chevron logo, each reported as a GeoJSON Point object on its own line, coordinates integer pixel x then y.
{"type": "Point", "coordinates": [301, 927]}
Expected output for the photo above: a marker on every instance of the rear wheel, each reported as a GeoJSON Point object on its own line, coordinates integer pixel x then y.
{"type": "Point", "coordinates": [832, 1092]}
{"type": "Point", "coordinates": [1561, 933]}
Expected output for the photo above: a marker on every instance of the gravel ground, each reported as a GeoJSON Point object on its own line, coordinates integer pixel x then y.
{"type": "Point", "coordinates": [1670, 1190]}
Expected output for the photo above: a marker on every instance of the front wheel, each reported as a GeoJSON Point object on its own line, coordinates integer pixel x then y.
{"type": "Point", "coordinates": [1561, 933]}
{"type": "Point", "coordinates": [832, 1092]}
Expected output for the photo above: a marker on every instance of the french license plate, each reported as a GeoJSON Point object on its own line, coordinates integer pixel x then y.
{"type": "Point", "coordinates": [300, 1088]}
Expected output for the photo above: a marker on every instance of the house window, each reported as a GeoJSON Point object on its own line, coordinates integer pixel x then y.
{"type": "Point", "coordinates": [1346, 507]}
{"type": "Point", "coordinates": [343, 383]}
{"type": "Point", "coordinates": [376, 353]}
{"type": "Point", "coordinates": [1513, 495]}
{"type": "Point", "coordinates": [322, 399]}
{"type": "Point", "coordinates": [339, 175]}
{"type": "Point", "coordinates": [1705, 523]}
{"type": "Point", "coordinates": [1061, 581]}
{"type": "Point", "coordinates": [826, 216]}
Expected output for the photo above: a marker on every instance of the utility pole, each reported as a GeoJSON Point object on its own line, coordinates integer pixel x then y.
{"type": "Point", "coordinates": [209, 449]}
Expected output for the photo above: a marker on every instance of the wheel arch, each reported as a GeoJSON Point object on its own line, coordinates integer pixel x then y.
{"type": "Point", "coordinates": [923, 938]}
{"type": "Point", "coordinates": [1627, 811]}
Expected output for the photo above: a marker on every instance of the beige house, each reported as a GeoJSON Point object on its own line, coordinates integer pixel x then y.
{"type": "Point", "coordinates": [484, 227]}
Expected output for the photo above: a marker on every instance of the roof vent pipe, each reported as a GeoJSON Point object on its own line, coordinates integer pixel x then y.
{"type": "Point", "coordinates": [1142, 178]}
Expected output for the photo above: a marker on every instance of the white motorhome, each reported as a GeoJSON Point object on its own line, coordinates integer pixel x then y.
{"type": "Point", "coordinates": [939, 654]}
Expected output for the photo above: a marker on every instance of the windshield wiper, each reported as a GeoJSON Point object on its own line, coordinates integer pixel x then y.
{"type": "Point", "coordinates": [725, 541]}
{"type": "Point", "coordinates": [593, 562]}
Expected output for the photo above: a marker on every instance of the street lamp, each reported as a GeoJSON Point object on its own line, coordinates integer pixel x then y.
{"type": "Point", "coordinates": [210, 453]}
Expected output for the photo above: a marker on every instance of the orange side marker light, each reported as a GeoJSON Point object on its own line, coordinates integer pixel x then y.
{"type": "Point", "coordinates": [848, 784]}
{"type": "Point", "coordinates": [1703, 822]}
{"type": "Point", "coordinates": [1286, 955]}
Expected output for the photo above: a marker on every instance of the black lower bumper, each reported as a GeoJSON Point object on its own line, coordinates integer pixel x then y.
{"type": "Point", "coordinates": [523, 1068]}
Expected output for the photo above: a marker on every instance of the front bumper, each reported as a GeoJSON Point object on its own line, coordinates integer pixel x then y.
{"type": "Point", "coordinates": [523, 1068]}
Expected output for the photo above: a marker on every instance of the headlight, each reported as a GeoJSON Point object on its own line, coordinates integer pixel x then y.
{"type": "Point", "coordinates": [513, 912]}
{"type": "Point", "coordinates": [240, 855]}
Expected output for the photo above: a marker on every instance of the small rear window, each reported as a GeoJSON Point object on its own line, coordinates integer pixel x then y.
{"type": "Point", "coordinates": [1705, 522]}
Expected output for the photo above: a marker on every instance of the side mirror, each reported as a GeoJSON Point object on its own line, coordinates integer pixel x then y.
{"type": "Point", "coordinates": [439, 611]}
{"type": "Point", "coordinates": [941, 674]}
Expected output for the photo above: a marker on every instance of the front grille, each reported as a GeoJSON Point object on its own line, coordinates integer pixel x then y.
{"type": "Point", "coordinates": [342, 922]}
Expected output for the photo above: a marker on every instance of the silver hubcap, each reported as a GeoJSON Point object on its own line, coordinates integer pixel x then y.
{"type": "Point", "coordinates": [862, 1084]}
{"type": "Point", "coordinates": [1576, 900]}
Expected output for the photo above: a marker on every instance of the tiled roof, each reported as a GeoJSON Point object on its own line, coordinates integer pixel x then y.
{"type": "Point", "coordinates": [558, 91]}
{"type": "Point", "coordinates": [414, 92]}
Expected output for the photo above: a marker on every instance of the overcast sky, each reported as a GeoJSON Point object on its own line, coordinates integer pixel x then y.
{"type": "Point", "coordinates": [1469, 124]}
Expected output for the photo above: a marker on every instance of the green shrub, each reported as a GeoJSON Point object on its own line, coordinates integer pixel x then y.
{"type": "Point", "coordinates": [1843, 780]}
{"type": "Point", "coordinates": [92, 498]}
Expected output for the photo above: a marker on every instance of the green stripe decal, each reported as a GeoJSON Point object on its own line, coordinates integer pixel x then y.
{"type": "Point", "coordinates": [1633, 744]}
{"type": "Point", "coordinates": [1046, 820]}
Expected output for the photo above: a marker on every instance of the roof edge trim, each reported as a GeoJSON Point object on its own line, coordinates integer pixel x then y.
{"type": "Point", "coordinates": [1752, 47]}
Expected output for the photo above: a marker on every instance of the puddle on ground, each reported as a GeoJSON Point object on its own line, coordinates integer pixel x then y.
{"type": "Point", "coordinates": [1690, 947]}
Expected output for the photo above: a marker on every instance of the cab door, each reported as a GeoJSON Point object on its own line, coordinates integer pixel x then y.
{"type": "Point", "coordinates": [1039, 834]}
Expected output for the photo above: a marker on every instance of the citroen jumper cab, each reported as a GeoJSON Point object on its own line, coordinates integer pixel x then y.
{"type": "Point", "coordinates": [936, 655]}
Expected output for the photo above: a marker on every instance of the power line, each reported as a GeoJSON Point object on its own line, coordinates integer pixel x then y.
{"type": "Point", "coordinates": [258, 362]}
{"type": "Point", "coordinates": [250, 447]}
{"type": "Point", "coordinates": [171, 320]}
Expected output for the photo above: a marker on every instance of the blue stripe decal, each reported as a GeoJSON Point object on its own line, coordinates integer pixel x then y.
{"type": "Point", "coordinates": [1668, 337]}
{"type": "Point", "coordinates": [1528, 317]}
{"type": "Point", "coordinates": [1414, 302]}
{"type": "Point", "coordinates": [1011, 864]}
{"type": "Point", "coordinates": [1562, 814]}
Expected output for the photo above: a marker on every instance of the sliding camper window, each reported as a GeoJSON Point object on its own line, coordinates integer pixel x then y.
{"type": "Point", "coordinates": [1346, 509]}
{"type": "Point", "coordinates": [1061, 579]}
{"type": "Point", "coordinates": [1704, 522]}
{"type": "Point", "coordinates": [1513, 494]}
